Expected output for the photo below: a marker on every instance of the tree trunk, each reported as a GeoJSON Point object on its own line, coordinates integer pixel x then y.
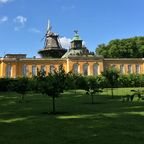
{"type": "Point", "coordinates": [53, 105]}
{"type": "Point", "coordinates": [91, 95]}
{"type": "Point", "coordinates": [112, 92]}
{"type": "Point", "coordinates": [22, 97]}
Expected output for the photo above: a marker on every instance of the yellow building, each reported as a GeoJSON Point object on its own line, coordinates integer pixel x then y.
{"type": "Point", "coordinates": [78, 59]}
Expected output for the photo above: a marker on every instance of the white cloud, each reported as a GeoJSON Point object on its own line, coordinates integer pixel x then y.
{"type": "Point", "coordinates": [17, 28]}
{"type": "Point", "coordinates": [34, 30]}
{"type": "Point", "coordinates": [5, 1]}
{"type": "Point", "coordinates": [68, 7]}
{"type": "Point", "coordinates": [83, 42]}
{"type": "Point", "coordinates": [3, 19]}
{"type": "Point", "coordinates": [21, 20]}
{"type": "Point", "coordinates": [65, 42]}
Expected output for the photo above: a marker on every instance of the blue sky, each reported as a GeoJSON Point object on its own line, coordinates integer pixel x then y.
{"type": "Point", "coordinates": [23, 22]}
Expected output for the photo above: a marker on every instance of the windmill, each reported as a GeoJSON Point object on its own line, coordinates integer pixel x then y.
{"type": "Point", "coordinates": [52, 46]}
{"type": "Point", "coordinates": [48, 30]}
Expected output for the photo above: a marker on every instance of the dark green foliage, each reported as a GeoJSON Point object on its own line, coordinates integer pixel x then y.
{"type": "Point", "coordinates": [124, 48]}
{"type": "Point", "coordinates": [20, 86]}
{"type": "Point", "coordinates": [123, 80]}
{"type": "Point", "coordinates": [112, 76]}
{"type": "Point", "coordinates": [75, 81]}
{"type": "Point", "coordinates": [91, 86]}
{"type": "Point", "coordinates": [101, 81]}
{"type": "Point", "coordinates": [131, 80]}
{"type": "Point", "coordinates": [52, 84]}
{"type": "Point", "coordinates": [5, 84]}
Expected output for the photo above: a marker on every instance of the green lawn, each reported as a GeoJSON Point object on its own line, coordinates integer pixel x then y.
{"type": "Point", "coordinates": [108, 121]}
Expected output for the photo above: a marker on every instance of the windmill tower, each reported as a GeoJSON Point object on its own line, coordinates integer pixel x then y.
{"type": "Point", "coordinates": [52, 48]}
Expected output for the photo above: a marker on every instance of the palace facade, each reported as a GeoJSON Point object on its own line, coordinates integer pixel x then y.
{"type": "Point", "coordinates": [79, 60]}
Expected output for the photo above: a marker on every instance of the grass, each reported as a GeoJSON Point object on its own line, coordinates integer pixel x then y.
{"type": "Point", "coordinates": [108, 121]}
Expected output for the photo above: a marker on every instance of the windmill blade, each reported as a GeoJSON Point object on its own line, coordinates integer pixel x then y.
{"type": "Point", "coordinates": [49, 29]}
{"type": "Point", "coordinates": [43, 37]}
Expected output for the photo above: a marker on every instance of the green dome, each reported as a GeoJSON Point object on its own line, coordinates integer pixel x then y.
{"type": "Point", "coordinates": [76, 38]}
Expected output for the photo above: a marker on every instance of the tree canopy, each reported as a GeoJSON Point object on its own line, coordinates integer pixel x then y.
{"type": "Point", "coordinates": [124, 48]}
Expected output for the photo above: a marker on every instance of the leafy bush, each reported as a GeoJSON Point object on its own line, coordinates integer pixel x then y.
{"type": "Point", "coordinates": [5, 84]}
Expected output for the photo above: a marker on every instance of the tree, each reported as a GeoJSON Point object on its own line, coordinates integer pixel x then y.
{"type": "Point", "coordinates": [112, 76]}
{"type": "Point", "coordinates": [124, 48]}
{"type": "Point", "coordinates": [123, 81]}
{"type": "Point", "coordinates": [20, 86]}
{"type": "Point", "coordinates": [75, 80]}
{"type": "Point", "coordinates": [52, 85]}
{"type": "Point", "coordinates": [91, 86]}
{"type": "Point", "coordinates": [101, 81]}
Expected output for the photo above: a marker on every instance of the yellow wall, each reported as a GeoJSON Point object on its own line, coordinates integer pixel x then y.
{"type": "Point", "coordinates": [0, 69]}
{"type": "Point", "coordinates": [90, 64]}
{"type": "Point", "coordinates": [133, 63]}
{"type": "Point", "coordinates": [17, 67]}
{"type": "Point", "coordinates": [68, 65]}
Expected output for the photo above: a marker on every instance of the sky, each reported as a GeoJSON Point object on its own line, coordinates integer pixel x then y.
{"type": "Point", "coordinates": [23, 23]}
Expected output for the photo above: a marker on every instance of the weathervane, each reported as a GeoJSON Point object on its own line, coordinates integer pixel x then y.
{"type": "Point", "coordinates": [76, 31]}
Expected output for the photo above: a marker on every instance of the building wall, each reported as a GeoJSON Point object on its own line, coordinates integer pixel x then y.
{"type": "Point", "coordinates": [17, 66]}
{"type": "Point", "coordinates": [68, 65]}
{"type": "Point", "coordinates": [90, 64]}
{"type": "Point", "coordinates": [133, 63]}
{"type": "Point", "coordinates": [0, 69]}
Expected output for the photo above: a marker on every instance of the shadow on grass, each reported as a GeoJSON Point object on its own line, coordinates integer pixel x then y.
{"type": "Point", "coordinates": [56, 113]}
{"type": "Point", "coordinates": [93, 103]}
{"type": "Point", "coordinates": [107, 121]}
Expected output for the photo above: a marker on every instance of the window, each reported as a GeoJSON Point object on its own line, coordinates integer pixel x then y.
{"type": "Point", "coordinates": [113, 66]}
{"type": "Point", "coordinates": [60, 67]}
{"type": "Point", "coordinates": [75, 68]}
{"type": "Point", "coordinates": [42, 68]}
{"type": "Point", "coordinates": [52, 69]}
{"type": "Point", "coordinates": [34, 70]}
{"type": "Point", "coordinates": [95, 69]}
{"type": "Point", "coordinates": [24, 70]}
{"type": "Point", "coordinates": [122, 68]}
{"type": "Point", "coordinates": [129, 69]}
{"type": "Point", "coordinates": [105, 67]}
{"type": "Point", "coordinates": [137, 69]}
{"type": "Point", "coordinates": [8, 71]}
{"type": "Point", "coordinates": [85, 69]}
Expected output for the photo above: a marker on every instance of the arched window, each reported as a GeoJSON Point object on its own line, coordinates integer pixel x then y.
{"type": "Point", "coordinates": [95, 69]}
{"type": "Point", "coordinates": [24, 70]}
{"type": "Point", "coordinates": [105, 67]}
{"type": "Point", "coordinates": [75, 68]}
{"type": "Point", "coordinates": [137, 69]}
{"type": "Point", "coordinates": [42, 68]}
{"type": "Point", "coordinates": [8, 71]}
{"type": "Point", "coordinates": [60, 67]}
{"type": "Point", "coordinates": [129, 69]}
{"type": "Point", "coordinates": [34, 70]}
{"type": "Point", "coordinates": [85, 69]}
{"type": "Point", "coordinates": [122, 68]}
{"type": "Point", "coordinates": [52, 69]}
{"type": "Point", "coordinates": [113, 66]}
